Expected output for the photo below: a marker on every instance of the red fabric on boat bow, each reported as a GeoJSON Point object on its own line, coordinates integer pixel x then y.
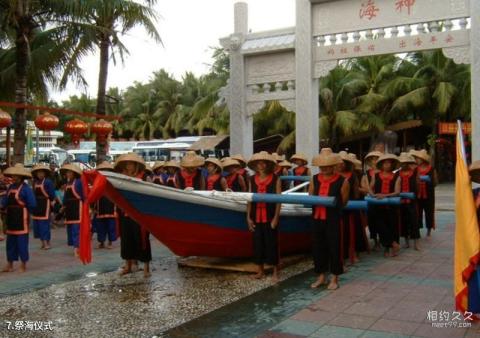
{"type": "Point", "coordinates": [91, 195]}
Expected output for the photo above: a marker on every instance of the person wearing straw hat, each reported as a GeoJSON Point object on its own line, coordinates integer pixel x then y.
{"type": "Point", "coordinates": [72, 203]}
{"type": "Point", "coordinates": [285, 166]}
{"type": "Point", "coordinates": [326, 222]}
{"type": "Point", "coordinates": [158, 173]}
{"type": "Point", "coordinates": [44, 191]}
{"type": "Point", "coordinates": [17, 204]}
{"type": "Point", "coordinates": [408, 209]}
{"type": "Point", "coordinates": [171, 176]}
{"type": "Point", "coordinates": [4, 184]}
{"type": "Point", "coordinates": [243, 165]}
{"type": "Point", "coordinates": [191, 174]}
{"type": "Point", "coordinates": [426, 189]}
{"type": "Point", "coordinates": [371, 162]}
{"type": "Point", "coordinates": [105, 218]}
{"type": "Point", "coordinates": [235, 181]}
{"type": "Point", "coordinates": [353, 235]}
{"type": "Point", "coordinates": [386, 183]}
{"type": "Point", "coordinates": [301, 169]}
{"type": "Point", "coordinates": [263, 218]}
{"type": "Point", "coordinates": [134, 238]}
{"type": "Point", "coordinates": [215, 180]}
{"type": "Point", "coordinates": [279, 171]}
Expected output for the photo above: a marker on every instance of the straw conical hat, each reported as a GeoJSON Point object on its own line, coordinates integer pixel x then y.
{"type": "Point", "coordinates": [72, 167]}
{"type": "Point", "coordinates": [278, 158]}
{"type": "Point", "coordinates": [356, 162]}
{"type": "Point", "coordinates": [130, 157]}
{"type": "Point", "coordinates": [374, 153]}
{"type": "Point", "coordinates": [406, 158]}
{"type": "Point", "coordinates": [385, 157]}
{"type": "Point", "coordinates": [285, 164]}
{"type": "Point", "coordinates": [171, 164]}
{"type": "Point", "coordinates": [475, 171]}
{"type": "Point", "coordinates": [228, 162]}
{"type": "Point", "coordinates": [17, 170]}
{"type": "Point", "coordinates": [326, 159]}
{"type": "Point", "coordinates": [240, 159]}
{"type": "Point", "coordinates": [299, 157]}
{"type": "Point", "coordinates": [421, 154]}
{"type": "Point", "coordinates": [158, 165]}
{"type": "Point", "coordinates": [261, 156]}
{"type": "Point", "coordinates": [215, 161]}
{"type": "Point", "coordinates": [192, 160]}
{"type": "Point", "coordinates": [148, 169]}
{"type": "Point", "coordinates": [345, 157]}
{"type": "Point", "coordinates": [106, 166]}
{"type": "Point", "coordinates": [40, 166]}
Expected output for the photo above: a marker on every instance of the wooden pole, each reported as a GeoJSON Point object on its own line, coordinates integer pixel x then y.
{"type": "Point", "coordinates": [7, 145]}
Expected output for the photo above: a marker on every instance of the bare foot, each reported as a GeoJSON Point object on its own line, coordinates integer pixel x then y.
{"type": "Point", "coordinates": [47, 247]}
{"type": "Point", "coordinates": [124, 271]}
{"type": "Point", "coordinates": [146, 274]}
{"type": "Point", "coordinates": [75, 252]}
{"type": "Point", "coordinates": [332, 286]}
{"type": "Point", "coordinates": [416, 247]}
{"type": "Point", "coordinates": [23, 267]}
{"type": "Point", "coordinates": [386, 254]}
{"type": "Point", "coordinates": [101, 246]}
{"type": "Point", "coordinates": [8, 268]}
{"type": "Point", "coordinates": [321, 280]}
{"type": "Point", "coordinates": [356, 259]}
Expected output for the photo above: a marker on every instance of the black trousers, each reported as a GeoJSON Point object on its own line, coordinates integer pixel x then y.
{"type": "Point", "coordinates": [327, 255]}
{"type": "Point", "coordinates": [265, 244]}
{"type": "Point", "coordinates": [426, 206]}
{"type": "Point", "coordinates": [408, 220]}
{"type": "Point", "coordinates": [387, 223]}
{"type": "Point", "coordinates": [372, 221]}
{"type": "Point", "coordinates": [132, 245]}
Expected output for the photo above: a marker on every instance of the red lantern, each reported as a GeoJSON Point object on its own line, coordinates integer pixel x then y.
{"type": "Point", "coordinates": [5, 119]}
{"type": "Point", "coordinates": [76, 128]}
{"type": "Point", "coordinates": [102, 128]}
{"type": "Point", "coordinates": [46, 122]}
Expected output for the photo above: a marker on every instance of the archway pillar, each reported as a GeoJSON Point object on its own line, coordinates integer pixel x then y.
{"type": "Point", "coordinates": [475, 76]}
{"type": "Point", "coordinates": [306, 88]}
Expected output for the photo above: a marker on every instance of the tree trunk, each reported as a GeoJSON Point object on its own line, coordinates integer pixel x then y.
{"type": "Point", "coordinates": [101, 147]}
{"type": "Point", "coordinates": [21, 74]}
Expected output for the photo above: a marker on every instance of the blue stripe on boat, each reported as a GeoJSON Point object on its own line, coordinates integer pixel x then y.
{"type": "Point", "coordinates": [194, 213]}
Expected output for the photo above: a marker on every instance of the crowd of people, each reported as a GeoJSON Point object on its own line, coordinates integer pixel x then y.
{"type": "Point", "coordinates": [339, 236]}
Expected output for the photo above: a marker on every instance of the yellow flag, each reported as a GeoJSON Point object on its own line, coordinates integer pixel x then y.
{"type": "Point", "coordinates": [467, 237]}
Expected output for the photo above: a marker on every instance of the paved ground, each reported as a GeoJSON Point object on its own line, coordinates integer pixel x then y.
{"type": "Point", "coordinates": [378, 297]}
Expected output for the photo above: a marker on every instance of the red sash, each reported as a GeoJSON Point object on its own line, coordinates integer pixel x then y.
{"type": "Point", "coordinates": [231, 179]}
{"type": "Point", "coordinates": [405, 178]}
{"type": "Point", "coordinates": [386, 180]}
{"type": "Point", "coordinates": [300, 171]}
{"type": "Point", "coordinates": [211, 180]}
{"type": "Point", "coordinates": [261, 209]}
{"type": "Point", "coordinates": [422, 189]}
{"type": "Point", "coordinates": [188, 178]}
{"type": "Point", "coordinates": [324, 188]}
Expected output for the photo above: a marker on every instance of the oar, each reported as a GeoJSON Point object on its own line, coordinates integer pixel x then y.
{"type": "Point", "coordinates": [407, 195]}
{"type": "Point", "coordinates": [295, 178]}
{"type": "Point", "coordinates": [383, 201]}
{"type": "Point", "coordinates": [294, 199]}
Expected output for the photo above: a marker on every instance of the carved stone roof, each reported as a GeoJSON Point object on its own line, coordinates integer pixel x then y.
{"type": "Point", "coordinates": [269, 43]}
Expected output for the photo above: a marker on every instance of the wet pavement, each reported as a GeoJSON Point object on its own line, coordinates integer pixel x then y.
{"type": "Point", "coordinates": [378, 297]}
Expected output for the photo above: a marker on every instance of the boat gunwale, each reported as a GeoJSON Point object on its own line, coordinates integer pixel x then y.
{"type": "Point", "coordinates": [204, 198]}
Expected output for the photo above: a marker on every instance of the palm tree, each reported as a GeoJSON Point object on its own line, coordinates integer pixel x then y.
{"type": "Point", "coordinates": [35, 35]}
{"type": "Point", "coordinates": [342, 93]}
{"type": "Point", "coordinates": [105, 24]}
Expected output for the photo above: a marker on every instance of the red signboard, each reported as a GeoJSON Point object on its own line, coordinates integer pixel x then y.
{"type": "Point", "coordinates": [450, 128]}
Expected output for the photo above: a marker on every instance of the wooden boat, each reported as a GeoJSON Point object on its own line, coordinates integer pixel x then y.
{"type": "Point", "coordinates": [201, 223]}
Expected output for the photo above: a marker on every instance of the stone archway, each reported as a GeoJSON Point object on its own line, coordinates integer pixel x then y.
{"type": "Point", "coordinates": [285, 64]}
